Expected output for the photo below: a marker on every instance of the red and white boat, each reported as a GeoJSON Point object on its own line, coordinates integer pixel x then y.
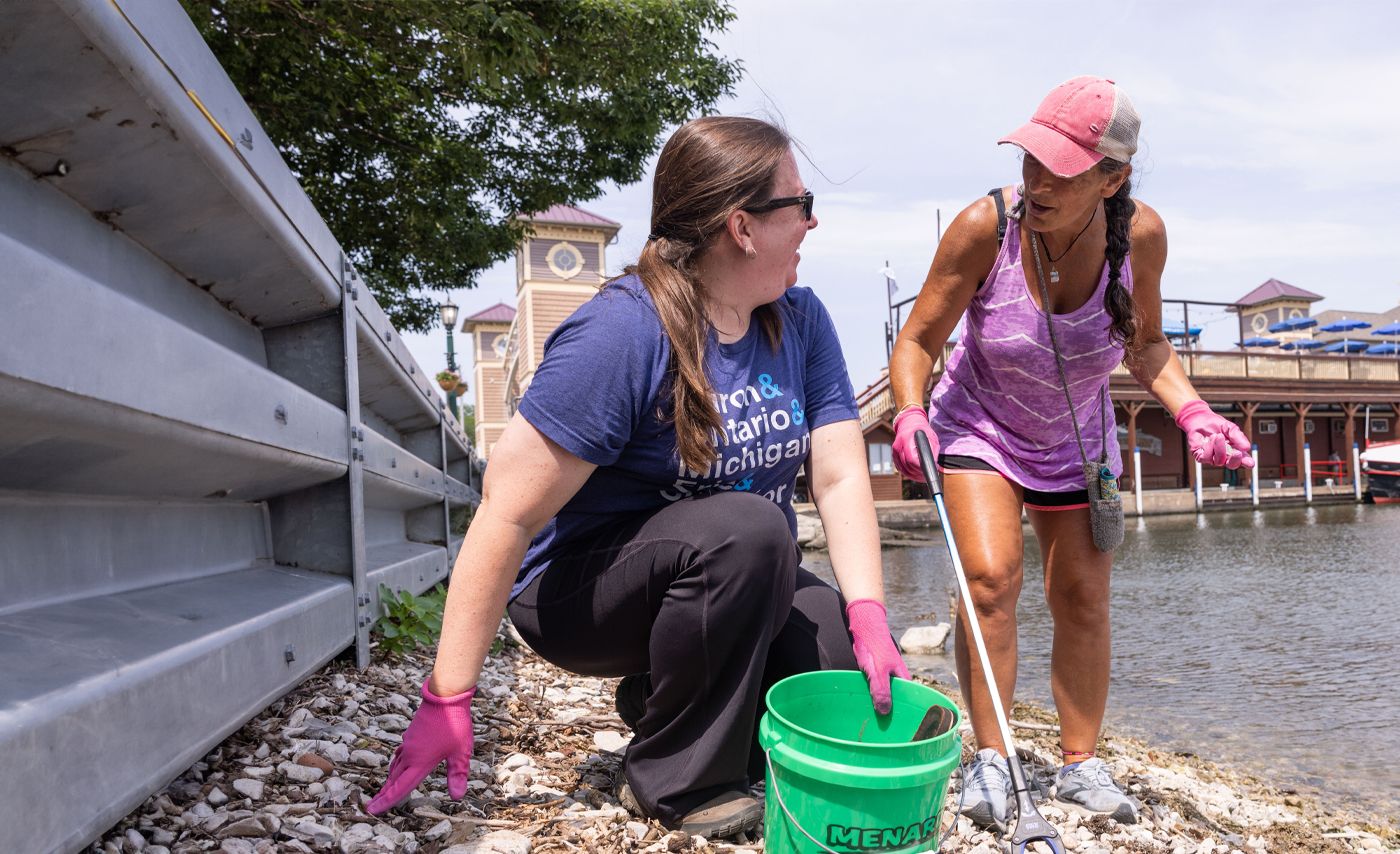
{"type": "Point", "coordinates": [1381, 465]}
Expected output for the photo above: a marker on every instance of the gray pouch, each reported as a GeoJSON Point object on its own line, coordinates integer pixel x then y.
{"type": "Point", "coordinates": [1105, 506]}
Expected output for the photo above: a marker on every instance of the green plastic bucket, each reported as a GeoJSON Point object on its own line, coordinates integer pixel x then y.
{"type": "Point", "coordinates": [842, 778]}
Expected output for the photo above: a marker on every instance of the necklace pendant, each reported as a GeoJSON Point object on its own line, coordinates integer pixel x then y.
{"type": "Point", "coordinates": [1054, 276]}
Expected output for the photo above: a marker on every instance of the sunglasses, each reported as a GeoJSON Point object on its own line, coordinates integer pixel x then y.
{"type": "Point", "coordinates": [805, 200]}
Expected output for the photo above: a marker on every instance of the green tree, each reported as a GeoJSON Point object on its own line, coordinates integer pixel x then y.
{"type": "Point", "coordinates": [468, 419]}
{"type": "Point", "coordinates": [419, 128]}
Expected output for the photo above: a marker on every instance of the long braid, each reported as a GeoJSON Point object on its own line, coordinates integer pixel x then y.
{"type": "Point", "coordinates": [1118, 213]}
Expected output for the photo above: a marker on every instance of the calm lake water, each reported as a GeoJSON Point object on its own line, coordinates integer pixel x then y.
{"type": "Point", "coordinates": [1269, 640]}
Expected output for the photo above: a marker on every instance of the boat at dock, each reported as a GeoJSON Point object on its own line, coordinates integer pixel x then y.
{"type": "Point", "coordinates": [1381, 465]}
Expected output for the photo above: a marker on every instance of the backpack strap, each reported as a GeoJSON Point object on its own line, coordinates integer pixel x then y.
{"type": "Point", "coordinates": [1001, 225]}
{"type": "Point", "coordinates": [1001, 213]}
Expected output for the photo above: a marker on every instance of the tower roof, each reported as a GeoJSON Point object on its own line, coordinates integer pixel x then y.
{"type": "Point", "coordinates": [498, 313]}
{"type": "Point", "coordinates": [1274, 289]}
{"type": "Point", "coordinates": [570, 215]}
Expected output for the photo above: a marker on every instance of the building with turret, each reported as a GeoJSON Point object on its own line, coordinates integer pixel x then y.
{"type": "Point", "coordinates": [1285, 397]}
{"type": "Point", "coordinates": [558, 267]}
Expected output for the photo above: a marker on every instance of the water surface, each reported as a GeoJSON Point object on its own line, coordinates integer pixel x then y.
{"type": "Point", "coordinates": [1267, 639]}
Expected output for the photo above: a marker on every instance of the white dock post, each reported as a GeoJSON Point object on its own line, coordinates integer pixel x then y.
{"type": "Point", "coordinates": [1137, 479]}
{"type": "Point", "coordinates": [1200, 499]}
{"type": "Point", "coordinates": [1356, 471]}
{"type": "Point", "coordinates": [1306, 473]}
{"type": "Point", "coordinates": [1254, 476]}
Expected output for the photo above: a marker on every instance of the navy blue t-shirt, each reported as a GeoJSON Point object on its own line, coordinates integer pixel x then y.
{"type": "Point", "coordinates": [600, 394]}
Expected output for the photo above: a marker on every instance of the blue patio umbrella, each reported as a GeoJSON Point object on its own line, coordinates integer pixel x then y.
{"type": "Point", "coordinates": [1177, 331]}
{"type": "Point", "coordinates": [1259, 342]}
{"type": "Point", "coordinates": [1386, 349]}
{"type": "Point", "coordinates": [1388, 329]}
{"type": "Point", "coordinates": [1344, 325]}
{"type": "Point", "coordinates": [1305, 344]}
{"type": "Point", "coordinates": [1345, 347]}
{"type": "Point", "coordinates": [1292, 324]}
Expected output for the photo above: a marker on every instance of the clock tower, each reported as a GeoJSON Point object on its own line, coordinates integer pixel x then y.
{"type": "Point", "coordinates": [559, 266]}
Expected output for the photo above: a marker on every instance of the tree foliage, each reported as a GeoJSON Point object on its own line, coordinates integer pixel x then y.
{"type": "Point", "coordinates": [419, 128]}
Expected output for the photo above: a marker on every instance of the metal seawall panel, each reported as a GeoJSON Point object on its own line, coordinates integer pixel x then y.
{"type": "Point", "coordinates": [214, 447]}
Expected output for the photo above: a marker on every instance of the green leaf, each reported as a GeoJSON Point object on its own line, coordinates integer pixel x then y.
{"type": "Point", "coordinates": [420, 128]}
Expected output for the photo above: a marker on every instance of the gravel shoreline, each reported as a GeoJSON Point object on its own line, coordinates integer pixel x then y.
{"type": "Point", "coordinates": [547, 761]}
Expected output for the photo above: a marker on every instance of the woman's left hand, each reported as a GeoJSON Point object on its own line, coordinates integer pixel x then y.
{"type": "Point", "coordinates": [1212, 438]}
{"type": "Point", "coordinates": [875, 651]}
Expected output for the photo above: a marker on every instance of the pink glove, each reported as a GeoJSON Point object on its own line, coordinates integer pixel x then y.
{"type": "Point", "coordinates": [875, 650]}
{"type": "Point", "coordinates": [1213, 439]}
{"type": "Point", "coordinates": [442, 729]}
{"type": "Point", "coordinates": [906, 453]}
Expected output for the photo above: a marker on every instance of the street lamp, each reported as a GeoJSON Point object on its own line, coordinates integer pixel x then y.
{"type": "Point", "coordinates": [448, 310]}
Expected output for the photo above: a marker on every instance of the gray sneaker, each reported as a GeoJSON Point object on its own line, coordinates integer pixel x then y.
{"type": "Point", "coordinates": [986, 789]}
{"type": "Point", "coordinates": [1089, 787]}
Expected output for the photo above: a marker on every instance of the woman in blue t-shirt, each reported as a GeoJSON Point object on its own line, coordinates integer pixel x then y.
{"type": "Point", "coordinates": [637, 511]}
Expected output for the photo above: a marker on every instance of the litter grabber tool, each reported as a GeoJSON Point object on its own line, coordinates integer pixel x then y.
{"type": "Point", "coordinates": [1030, 825]}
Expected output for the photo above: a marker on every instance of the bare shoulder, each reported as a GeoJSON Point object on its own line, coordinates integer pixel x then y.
{"type": "Point", "coordinates": [972, 235]}
{"type": "Point", "coordinates": [1147, 227]}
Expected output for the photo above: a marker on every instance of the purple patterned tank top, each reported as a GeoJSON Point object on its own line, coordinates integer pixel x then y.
{"type": "Point", "coordinates": [1000, 399]}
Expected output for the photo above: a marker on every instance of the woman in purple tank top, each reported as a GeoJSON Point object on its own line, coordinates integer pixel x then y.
{"type": "Point", "coordinates": [999, 418]}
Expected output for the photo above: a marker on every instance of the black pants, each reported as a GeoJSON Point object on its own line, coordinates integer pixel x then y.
{"type": "Point", "coordinates": [708, 596]}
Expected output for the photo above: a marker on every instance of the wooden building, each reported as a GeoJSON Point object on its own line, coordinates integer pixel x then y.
{"type": "Point", "coordinates": [490, 330]}
{"type": "Point", "coordinates": [1282, 399]}
{"type": "Point", "coordinates": [559, 266]}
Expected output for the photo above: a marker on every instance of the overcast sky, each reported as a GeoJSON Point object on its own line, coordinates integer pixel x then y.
{"type": "Point", "coordinates": [1266, 144]}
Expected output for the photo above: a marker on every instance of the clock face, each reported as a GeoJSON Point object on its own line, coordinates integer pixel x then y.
{"type": "Point", "coordinates": [565, 260]}
{"type": "Point", "coordinates": [1260, 323]}
{"type": "Point", "coordinates": [499, 345]}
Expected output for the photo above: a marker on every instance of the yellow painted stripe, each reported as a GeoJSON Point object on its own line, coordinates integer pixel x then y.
{"type": "Point", "coordinates": [218, 127]}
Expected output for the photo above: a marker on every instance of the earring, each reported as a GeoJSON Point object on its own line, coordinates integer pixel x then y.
{"type": "Point", "coordinates": [750, 253]}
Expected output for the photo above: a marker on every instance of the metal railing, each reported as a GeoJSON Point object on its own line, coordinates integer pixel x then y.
{"type": "Point", "coordinates": [1302, 366]}
{"type": "Point", "coordinates": [214, 446]}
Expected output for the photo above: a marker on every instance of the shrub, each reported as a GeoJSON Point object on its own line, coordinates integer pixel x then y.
{"type": "Point", "coordinates": [410, 622]}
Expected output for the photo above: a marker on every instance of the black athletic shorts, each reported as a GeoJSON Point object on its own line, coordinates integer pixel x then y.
{"type": "Point", "coordinates": [1035, 499]}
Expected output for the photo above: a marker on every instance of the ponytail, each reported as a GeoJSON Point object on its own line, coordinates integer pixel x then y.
{"type": "Point", "coordinates": [709, 167]}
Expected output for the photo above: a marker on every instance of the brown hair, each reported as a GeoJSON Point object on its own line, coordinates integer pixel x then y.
{"type": "Point", "coordinates": [1118, 217]}
{"type": "Point", "coordinates": [709, 168]}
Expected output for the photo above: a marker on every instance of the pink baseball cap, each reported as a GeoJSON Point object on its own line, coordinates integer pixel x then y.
{"type": "Point", "coordinates": [1081, 121]}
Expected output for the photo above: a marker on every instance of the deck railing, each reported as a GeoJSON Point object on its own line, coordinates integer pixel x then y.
{"type": "Point", "coordinates": [1285, 366]}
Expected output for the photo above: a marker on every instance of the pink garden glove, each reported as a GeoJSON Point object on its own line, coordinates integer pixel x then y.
{"type": "Point", "coordinates": [906, 452]}
{"type": "Point", "coordinates": [442, 729]}
{"type": "Point", "coordinates": [875, 650]}
{"type": "Point", "coordinates": [1213, 439]}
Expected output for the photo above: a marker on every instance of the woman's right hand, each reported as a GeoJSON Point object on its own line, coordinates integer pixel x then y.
{"type": "Point", "coordinates": [907, 424]}
{"type": "Point", "coordinates": [442, 729]}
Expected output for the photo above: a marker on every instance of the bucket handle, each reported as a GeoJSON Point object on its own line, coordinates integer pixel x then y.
{"type": "Point", "coordinates": [773, 785]}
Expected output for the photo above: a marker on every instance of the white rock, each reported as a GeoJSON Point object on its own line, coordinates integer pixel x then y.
{"type": "Point", "coordinates": [300, 773]}
{"type": "Point", "coordinates": [238, 846]}
{"type": "Point", "coordinates": [608, 741]}
{"type": "Point", "coordinates": [367, 758]}
{"type": "Point", "coordinates": [135, 839]}
{"type": "Point", "coordinates": [258, 771]}
{"type": "Point", "coordinates": [924, 640]}
{"type": "Point", "coordinates": [217, 797]}
{"type": "Point", "coordinates": [355, 836]}
{"type": "Point", "coordinates": [516, 760]}
{"type": "Point", "coordinates": [249, 788]}
{"type": "Point", "coordinates": [497, 842]}
{"type": "Point", "coordinates": [250, 827]}
{"type": "Point", "coordinates": [438, 831]}
{"type": "Point", "coordinates": [639, 830]}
